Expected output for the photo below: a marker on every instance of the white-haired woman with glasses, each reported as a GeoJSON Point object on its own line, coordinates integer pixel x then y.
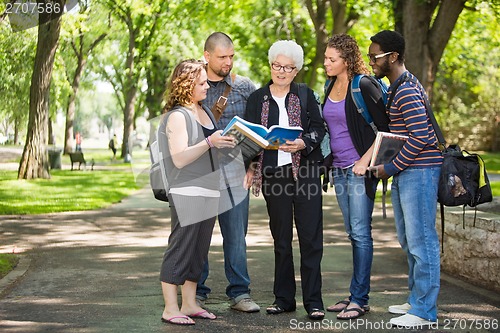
{"type": "Point", "coordinates": [289, 179]}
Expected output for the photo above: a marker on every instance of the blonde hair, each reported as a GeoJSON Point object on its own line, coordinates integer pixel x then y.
{"type": "Point", "coordinates": [181, 84]}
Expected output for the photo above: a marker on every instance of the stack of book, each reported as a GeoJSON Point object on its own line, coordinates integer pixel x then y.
{"type": "Point", "coordinates": [386, 148]}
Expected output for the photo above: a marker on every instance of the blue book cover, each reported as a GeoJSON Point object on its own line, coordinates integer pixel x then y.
{"type": "Point", "coordinates": [275, 136]}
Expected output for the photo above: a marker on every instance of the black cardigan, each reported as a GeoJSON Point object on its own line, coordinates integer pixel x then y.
{"type": "Point", "coordinates": [361, 133]}
{"type": "Point", "coordinates": [311, 120]}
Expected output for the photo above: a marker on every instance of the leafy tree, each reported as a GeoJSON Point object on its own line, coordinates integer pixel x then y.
{"type": "Point", "coordinates": [16, 62]}
{"type": "Point", "coordinates": [82, 33]}
{"type": "Point", "coordinates": [34, 160]}
{"type": "Point", "coordinates": [141, 20]}
{"type": "Point", "coordinates": [427, 27]}
{"type": "Point", "coordinates": [466, 98]}
{"type": "Point", "coordinates": [156, 79]}
{"type": "Point", "coordinates": [343, 15]}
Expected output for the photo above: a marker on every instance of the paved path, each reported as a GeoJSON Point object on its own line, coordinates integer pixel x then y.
{"type": "Point", "coordinates": [97, 271]}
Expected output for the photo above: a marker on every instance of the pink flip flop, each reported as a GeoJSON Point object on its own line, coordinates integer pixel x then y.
{"type": "Point", "coordinates": [172, 320]}
{"type": "Point", "coordinates": [203, 315]}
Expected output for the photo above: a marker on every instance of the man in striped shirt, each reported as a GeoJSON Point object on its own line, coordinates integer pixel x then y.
{"type": "Point", "coordinates": [415, 172]}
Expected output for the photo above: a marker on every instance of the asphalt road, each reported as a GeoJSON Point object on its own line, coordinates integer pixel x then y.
{"type": "Point", "coordinates": [98, 271]}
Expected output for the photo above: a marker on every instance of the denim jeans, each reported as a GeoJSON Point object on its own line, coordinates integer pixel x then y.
{"type": "Point", "coordinates": [233, 225]}
{"type": "Point", "coordinates": [414, 199]}
{"type": "Point", "coordinates": [357, 210]}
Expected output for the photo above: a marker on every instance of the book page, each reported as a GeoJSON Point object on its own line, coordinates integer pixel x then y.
{"type": "Point", "coordinates": [257, 128]}
{"type": "Point", "coordinates": [250, 143]}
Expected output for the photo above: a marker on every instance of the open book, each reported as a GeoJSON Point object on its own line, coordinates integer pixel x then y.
{"type": "Point", "coordinates": [253, 138]}
{"type": "Point", "coordinates": [386, 148]}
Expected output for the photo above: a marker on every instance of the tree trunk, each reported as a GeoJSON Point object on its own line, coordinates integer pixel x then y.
{"type": "Point", "coordinates": [130, 90]}
{"type": "Point", "coordinates": [342, 21]}
{"type": "Point", "coordinates": [51, 137]}
{"type": "Point", "coordinates": [34, 161]}
{"type": "Point", "coordinates": [128, 117]}
{"type": "Point", "coordinates": [17, 125]}
{"type": "Point", "coordinates": [81, 57]}
{"type": "Point", "coordinates": [426, 38]}
{"type": "Point", "coordinates": [70, 112]}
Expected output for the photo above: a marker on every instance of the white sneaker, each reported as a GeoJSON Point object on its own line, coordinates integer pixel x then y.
{"type": "Point", "coordinates": [246, 305]}
{"type": "Point", "coordinates": [399, 309]}
{"type": "Point", "coordinates": [411, 321]}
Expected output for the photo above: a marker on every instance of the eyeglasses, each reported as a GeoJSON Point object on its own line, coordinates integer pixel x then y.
{"type": "Point", "coordinates": [286, 69]}
{"type": "Point", "coordinates": [374, 57]}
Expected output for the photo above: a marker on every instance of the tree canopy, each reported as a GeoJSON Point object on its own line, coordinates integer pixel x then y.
{"type": "Point", "coordinates": [452, 46]}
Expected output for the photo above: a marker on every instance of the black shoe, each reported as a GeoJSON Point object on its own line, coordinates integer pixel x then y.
{"type": "Point", "coordinates": [316, 314]}
{"type": "Point", "coordinates": [274, 309]}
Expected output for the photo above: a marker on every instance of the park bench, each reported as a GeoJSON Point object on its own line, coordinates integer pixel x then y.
{"type": "Point", "coordinates": [77, 157]}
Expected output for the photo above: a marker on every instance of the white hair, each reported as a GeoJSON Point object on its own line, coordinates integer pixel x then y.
{"type": "Point", "coordinates": [287, 48]}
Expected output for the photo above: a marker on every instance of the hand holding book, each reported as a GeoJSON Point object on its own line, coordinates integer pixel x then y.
{"type": "Point", "coordinates": [386, 147]}
{"type": "Point", "coordinates": [253, 138]}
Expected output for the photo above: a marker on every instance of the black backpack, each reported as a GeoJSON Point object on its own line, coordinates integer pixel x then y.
{"type": "Point", "coordinates": [463, 179]}
{"type": "Point", "coordinates": [159, 152]}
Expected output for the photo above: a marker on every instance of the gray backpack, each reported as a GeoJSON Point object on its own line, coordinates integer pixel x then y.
{"type": "Point", "coordinates": [159, 152]}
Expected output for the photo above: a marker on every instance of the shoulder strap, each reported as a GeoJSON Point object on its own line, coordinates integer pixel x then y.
{"type": "Point", "coordinates": [210, 114]}
{"type": "Point", "coordinates": [435, 125]}
{"type": "Point", "coordinates": [303, 95]}
{"type": "Point", "coordinates": [191, 125]}
{"type": "Point", "coordinates": [358, 99]}
{"type": "Point", "coordinates": [221, 103]}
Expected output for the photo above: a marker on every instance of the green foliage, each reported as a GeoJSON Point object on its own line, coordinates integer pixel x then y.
{"type": "Point", "coordinates": [17, 51]}
{"type": "Point", "coordinates": [98, 104]}
{"type": "Point", "coordinates": [466, 89]}
{"type": "Point", "coordinates": [65, 191]}
{"type": "Point", "coordinates": [7, 262]}
{"type": "Point", "coordinates": [465, 96]}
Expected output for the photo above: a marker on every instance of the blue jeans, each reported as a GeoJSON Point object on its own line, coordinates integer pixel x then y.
{"type": "Point", "coordinates": [233, 225]}
{"type": "Point", "coordinates": [357, 210]}
{"type": "Point", "coordinates": [414, 199]}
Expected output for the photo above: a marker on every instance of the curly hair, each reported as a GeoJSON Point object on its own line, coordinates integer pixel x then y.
{"type": "Point", "coordinates": [181, 84]}
{"type": "Point", "coordinates": [349, 51]}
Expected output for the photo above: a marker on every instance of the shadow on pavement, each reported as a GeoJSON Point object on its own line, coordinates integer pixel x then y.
{"type": "Point", "coordinates": [98, 271]}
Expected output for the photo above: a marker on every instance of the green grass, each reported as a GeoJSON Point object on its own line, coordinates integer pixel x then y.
{"type": "Point", "coordinates": [65, 191]}
{"type": "Point", "coordinates": [495, 189]}
{"type": "Point", "coordinates": [492, 162]}
{"type": "Point", "coordinates": [7, 262]}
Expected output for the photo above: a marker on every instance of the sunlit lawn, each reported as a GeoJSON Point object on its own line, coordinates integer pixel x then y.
{"type": "Point", "coordinates": [492, 162]}
{"type": "Point", "coordinates": [72, 190]}
{"type": "Point", "coordinates": [65, 191]}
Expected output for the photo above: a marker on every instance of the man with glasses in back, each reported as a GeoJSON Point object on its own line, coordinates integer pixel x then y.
{"type": "Point", "coordinates": [415, 172]}
{"type": "Point", "coordinates": [231, 91]}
